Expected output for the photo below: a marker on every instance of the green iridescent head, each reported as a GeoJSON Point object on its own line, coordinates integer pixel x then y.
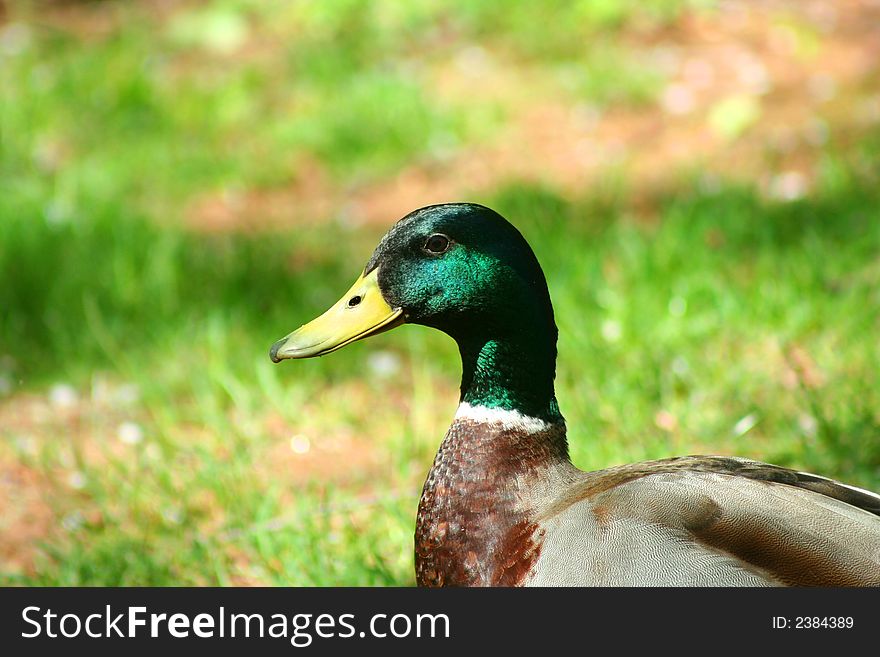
{"type": "Point", "coordinates": [461, 268]}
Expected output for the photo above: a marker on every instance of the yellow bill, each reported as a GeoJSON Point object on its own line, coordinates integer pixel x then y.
{"type": "Point", "coordinates": [360, 313]}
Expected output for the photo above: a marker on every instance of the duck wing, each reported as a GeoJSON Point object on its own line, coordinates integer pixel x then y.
{"type": "Point", "coordinates": [711, 521]}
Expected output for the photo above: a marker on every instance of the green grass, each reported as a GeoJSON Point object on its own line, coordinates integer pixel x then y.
{"type": "Point", "coordinates": [728, 323]}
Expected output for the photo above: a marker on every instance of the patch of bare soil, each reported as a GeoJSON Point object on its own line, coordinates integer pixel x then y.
{"type": "Point", "coordinates": [89, 20]}
{"type": "Point", "coordinates": [309, 197]}
{"type": "Point", "coordinates": [46, 440]}
{"type": "Point", "coordinates": [303, 454]}
{"type": "Point", "coordinates": [25, 516]}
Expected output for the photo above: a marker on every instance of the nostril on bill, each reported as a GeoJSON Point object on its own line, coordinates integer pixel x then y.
{"type": "Point", "coordinates": [355, 300]}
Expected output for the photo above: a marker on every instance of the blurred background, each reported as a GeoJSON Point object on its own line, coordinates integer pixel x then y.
{"type": "Point", "coordinates": [183, 183]}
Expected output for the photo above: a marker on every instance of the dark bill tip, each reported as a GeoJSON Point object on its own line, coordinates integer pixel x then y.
{"type": "Point", "coordinates": [273, 352]}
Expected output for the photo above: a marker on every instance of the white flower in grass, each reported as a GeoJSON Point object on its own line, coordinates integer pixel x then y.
{"type": "Point", "coordinates": [127, 393]}
{"type": "Point", "coordinates": [808, 424]}
{"type": "Point", "coordinates": [25, 444]}
{"type": "Point", "coordinates": [152, 451]}
{"type": "Point", "coordinates": [77, 480]}
{"type": "Point", "coordinates": [384, 364]}
{"type": "Point", "coordinates": [73, 521]}
{"type": "Point", "coordinates": [680, 366]}
{"type": "Point", "coordinates": [677, 306]}
{"type": "Point", "coordinates": [130, 433]}
{"type": "Point", "coordinates": [789, 186]}
{"type": "Point", "coordinates": [300, 444]}
{"type": "Point", "coordinates": [666, 421]}
{"type": "Point", "coordinates": [63, 395]}
{"type": "Point", "coordinates": [172, 515]}
{"type": "Point", "coordinates": [745, 424]}
{"type": "Point", "coordinates": [612, 331]}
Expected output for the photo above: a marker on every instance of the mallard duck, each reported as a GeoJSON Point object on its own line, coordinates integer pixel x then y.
{"type": "Point", "coordinates": [504, 506]}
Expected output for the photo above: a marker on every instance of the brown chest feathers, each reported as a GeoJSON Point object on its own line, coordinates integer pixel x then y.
{"type": "Point", "coordinates": [475, 521]}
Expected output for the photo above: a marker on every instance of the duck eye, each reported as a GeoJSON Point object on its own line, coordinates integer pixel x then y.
{"type": "Point", "coordinates": [437, 244]}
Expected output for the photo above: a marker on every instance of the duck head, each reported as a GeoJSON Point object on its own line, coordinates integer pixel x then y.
{"type": "Point", "coordinates": [465, 270]}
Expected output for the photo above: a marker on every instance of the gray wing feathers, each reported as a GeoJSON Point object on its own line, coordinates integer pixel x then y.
{"type": "Point", "coordinates": [707, 526]}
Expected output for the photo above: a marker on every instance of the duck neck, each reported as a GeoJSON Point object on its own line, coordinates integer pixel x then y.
{"type": "Point", "coordinates": [477, 521]}
{"type": "Point", "coordinates": [511, 372]}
